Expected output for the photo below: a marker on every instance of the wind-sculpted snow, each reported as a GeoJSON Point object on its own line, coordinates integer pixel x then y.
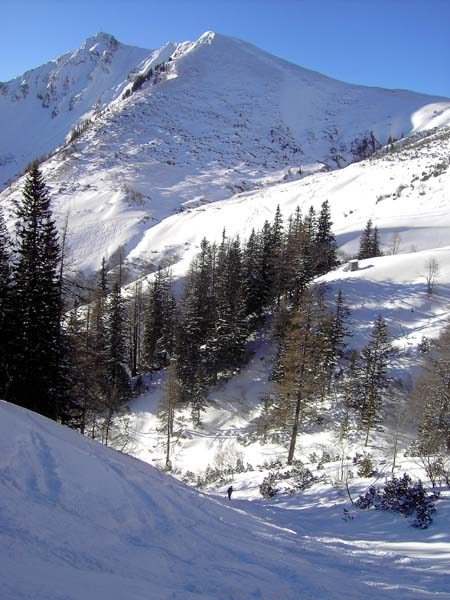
{"type": "Point", "coordinates": [79, 521]}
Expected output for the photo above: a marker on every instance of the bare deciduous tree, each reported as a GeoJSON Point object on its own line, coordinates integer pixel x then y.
{"type": "Point", "coordinates": [431, 274]}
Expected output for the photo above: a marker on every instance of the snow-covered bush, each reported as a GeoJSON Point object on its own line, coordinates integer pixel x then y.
{"type": "Point", "coordinates": [267, 488]}
{"type": "Point", "coordinates": [404, 496]}
{"type": "Point", "coordinates": [295, 479]}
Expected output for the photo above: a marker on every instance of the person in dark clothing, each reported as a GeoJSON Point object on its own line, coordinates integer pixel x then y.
{"type": "Point", "coordinates": [229, 492]}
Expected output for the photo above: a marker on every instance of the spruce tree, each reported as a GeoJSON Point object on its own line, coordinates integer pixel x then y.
{"type": "Point", "coordinates": [117, 381]}
{"type": "Point", "coordinates": [298, 376]}
{"type": "Point", "coordinates": [373, 376]}
{"type": "Point", "coordinates": [5, 306]}
{"type": "Point", "coordinates": [369, 243]}
{"type": "Point", "coordinates": [325, 249]}
{"type": "Point", "coordinates": [170, 398]}
{"type": "Point", "coordinates": [159, 321]}
{"type": "Point", "coordinates": [37, 302]}
{"type": "Point", "coordinates": [365, 242]}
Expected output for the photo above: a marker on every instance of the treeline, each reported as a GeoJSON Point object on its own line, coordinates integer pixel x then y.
{"type": "Point", "coordinates": [73, 363]}
{"type": "Point", "coordinates": [78, 357]}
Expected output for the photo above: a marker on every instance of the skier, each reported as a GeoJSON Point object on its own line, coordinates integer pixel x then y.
{"type": "Point", "coordinates": [229, 492]}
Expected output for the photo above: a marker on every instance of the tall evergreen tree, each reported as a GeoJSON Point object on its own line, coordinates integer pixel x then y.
{"type": "Point", "coordinates": [373, 377]}
{"type": "Point", "coordinates": [196, 363]}
{"type": "Point", "coordinates": [170, 398]}
{"type": "Point", "coordinates": [5, 306]}
{"type": "Point", "coordinates": [159, 321]}
{"type": "Point", "coordinates": [117, 382]}
{"type": "Point", "coordinates": [369, 243]}
{"type": "Point", "coordinates": [298, 375]}
{"type": "Point", "coordinates": [325, 249]}
{"type": "Point", "coordinates": [37, 302]}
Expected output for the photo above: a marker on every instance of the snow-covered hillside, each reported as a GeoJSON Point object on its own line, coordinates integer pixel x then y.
{"type": "Point", "coordinates": [222, 117]}
{"type": "Point", "coordinates": [79, 520]}
{"type": "Point", "coordinates": [39, 108]}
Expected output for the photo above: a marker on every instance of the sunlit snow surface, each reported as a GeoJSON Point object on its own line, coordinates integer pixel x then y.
{"type": "Point", "coordinates": [80, 521]}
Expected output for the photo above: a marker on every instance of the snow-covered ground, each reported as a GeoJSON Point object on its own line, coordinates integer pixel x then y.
{"type": "Point", "coordinates": [217, 143]}
{"type": "Point", "coordinates": [79, 520]}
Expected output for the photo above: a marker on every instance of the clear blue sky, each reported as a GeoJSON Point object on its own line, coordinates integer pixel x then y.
{"type": "Point", "coordinates": [389, 43]}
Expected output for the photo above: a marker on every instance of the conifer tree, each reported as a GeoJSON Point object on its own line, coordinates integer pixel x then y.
{"type": "Point", "coordinates": [159, 321]}
{"type": "Point", "coordinates": [298, 377]}
{"type": "Point", "coordinates": [5, 306]}
{"type": "Point", "coordinates": [369, 243]}
{"type": "Point", "coordinates": [334, 330]}
{"type": "Point", "coordinates": [196, 364]}
{"type": "Point", "coordinates": [117, 382]}
{"type": "Point", "coordinates": [373, 376]}
{"type": "Point", "coordinates": [136, 327]}
{"type": "Point", "coordinates": [37, 299]}
{"type": "Point", "coordinates": [365, 242]}
{"type": "Point", "coordinates": [433, 397]}
{"type": "Point", "coordinates": [251, 274]}
{"type": "Point", "coordinates": [325, 249]}
{"type": "Point", "coordinates": [230, 335]}
{"type": "Point", "coordinates": [169, 401]}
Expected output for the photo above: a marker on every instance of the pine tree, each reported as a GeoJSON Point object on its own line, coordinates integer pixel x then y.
{"type": "Point", "coordinates": [373, 376]}
{"type": "Point", "coordinates": [5, 306]}
{"type": "Point", "coordinates": [369, 243]}
{"type": "Point", "coordinates": [37, 302]}
{"type": "Point", "coordinates": [135, 327]}
{"type": "Point", "coordinates": [433, 398]}
{"type": "Point", "coordinates": [251, 274]}
{"type": "Point", "coordinates": [334, 330]}
{"type": "Point", "coordinates": [159, 321]}
{"type": "Point", "coordinates": [365, 242]}
{"type": "Point", "coordinates": [117, 382]}
{"type": "Point", "coordinates": [298, 377]}
{"type": "Point", "coordinates": [170, 398]}
{"type": "Point", "coordinates": [230, 335]}
{"type": "Point", "coordinates": [325, 249]}
{"type": "Point", "coordinates": [196, 364]}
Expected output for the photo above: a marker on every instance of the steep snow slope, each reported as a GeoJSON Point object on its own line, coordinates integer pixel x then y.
{"type": "Point", "coordinates": [38, 109]}
{"type": "Point", "coordinates": [404, 192]}
{"type": "Point", "coordinates": [222, 117]}
{"type": "Point", "coordinates": [80, 521]}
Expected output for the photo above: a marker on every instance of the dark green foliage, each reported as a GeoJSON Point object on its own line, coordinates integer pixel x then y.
{"type": "Point", "coordinates": [372, 376]}
{"type": "Point", "coordinates": [403, 496]}
{"type": "Point", "coordinates": [159, 322]}
{"type": "Point", "coordinates": [325, 249]}
{"type": "Point", "coordinates": [5, 306]}
{"type": "Point", "coordinates": [36, 351]}
{"type": "Point", "coordinates": [369, 244]}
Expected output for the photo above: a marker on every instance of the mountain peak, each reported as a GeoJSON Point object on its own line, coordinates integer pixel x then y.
{"type": "Point", "coordinates": [207, 37]}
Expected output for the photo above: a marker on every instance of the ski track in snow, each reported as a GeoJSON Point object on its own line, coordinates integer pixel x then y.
{"type": "Point", "coordinates": [104, 525]}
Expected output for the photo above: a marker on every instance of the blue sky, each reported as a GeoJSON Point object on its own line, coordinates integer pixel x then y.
{"type": "Point", "coordinates": [389, 43]}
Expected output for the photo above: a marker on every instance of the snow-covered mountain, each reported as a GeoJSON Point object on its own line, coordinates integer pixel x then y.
{"type": "Point", "coordinates": [39, 108]}
{"type": "Point", "coordinates": [220, 117]}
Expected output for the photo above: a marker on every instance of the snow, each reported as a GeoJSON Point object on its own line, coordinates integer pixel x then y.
{"type": "Point", "coordinates": [217, 143]}
{"type": "Point", "coordinates": [79, 520]}
{"type": "Point", "coordinates": [225, 118]}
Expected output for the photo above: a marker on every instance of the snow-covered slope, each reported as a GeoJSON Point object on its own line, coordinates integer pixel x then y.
{"type": "Point", "coordinates": [38, 109]}
{"type": "Point", "coordinates": [222, 117]}
{"type": "Point", "coordinates": [80, 521]}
